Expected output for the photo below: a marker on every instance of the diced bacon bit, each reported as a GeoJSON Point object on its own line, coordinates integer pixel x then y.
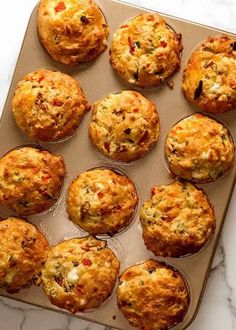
{"type": "Point", "coordinates": [153, 191]}
{"type": "Point", "coordinates": [136, 110]}
{"type": "Point", "coordinates": [57, 103]}
{"type": "Point", "coordinates": [80, 289]}
{"type": "Point", "coordinates": [163, 44]}
{"type": "Point", "coordinates": [233, 84]}
{"type": "Point", "coordinates": [124, 26]}
{"type": "Point", "coordinates": [86, 262]}
{"type": "Point", "coordinates": [100, 194]}
{"type": "Point", "coordinates": [60, 7]}
{"type": "Point", "coordinates": [143, 138]}
{"type": "Point", "coordinates": [150, 18]}
{"type": "Point", "coordinates": [40, 79]}
{"type": "Point", "coordinates": [46, 177]}
{"type": "Point", "coordinates": [131, 45]}
{"type": "Point", "coordinates": [107, 146]}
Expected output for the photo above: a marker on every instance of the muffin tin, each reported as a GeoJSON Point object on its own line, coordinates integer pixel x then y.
{"type": "Point", "coordinates": [97, 80]}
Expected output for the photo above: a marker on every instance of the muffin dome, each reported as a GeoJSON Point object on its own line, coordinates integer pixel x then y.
{"type": "Point", "coordinates": [101, 201]}
{"type": "Point", "coordinates": [30, 180]}
{"type": "Point", "coordinates": [124, 126]}
{"type": "Point", "coordinates": [72, 31]}
{"type": "Point", "coordinates": [80, 274]}
{"type": "Point", "coordinates": [209, 77]}
{"type": "Point", "coordinates": [23, 251]}
{"type": "Point", "coordinates": [48, 105]}
{"type": "Point", "coordinates": [145, 51]}
{"type": "Point", "coordinates": [199, 149]}
{"type": "Point", "coordinates": [152, 296]}
{"type": "Point", "coordinates": [178, 220]}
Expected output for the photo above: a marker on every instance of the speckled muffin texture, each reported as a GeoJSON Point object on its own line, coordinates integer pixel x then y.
{"type": "Point", "coordinates": [152, 296]}
{"type": "Point", "coordinates": [48, 105]}
{"type": "Point", "coordinates": [30, 180]}
{"type": "Point", "coordinates": [124, 126]}
{"type": "Point", "coordinates": [101, 201]}
{"type": "Point", "coordinates": [80, 274]}
{"type": "Point", "coordinates": [72, 31]}
{"type": "Point", "coordinates": [209, 77]}
{"type": "Point", "coordinates": [199, 149]}
{"type": "Point", "coordinates": [145, 51]}
{"type": "Point", "coordinates": [23, 251]}
{"type": "Point", "coordinates": [177, 220]}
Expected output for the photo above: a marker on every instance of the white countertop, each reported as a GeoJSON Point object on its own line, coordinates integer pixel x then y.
{"type": "Point", "coordinates": [218, 308]}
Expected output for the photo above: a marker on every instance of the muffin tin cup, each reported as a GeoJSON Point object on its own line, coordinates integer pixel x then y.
{"type": "Point", "coordinates": [97, 80]}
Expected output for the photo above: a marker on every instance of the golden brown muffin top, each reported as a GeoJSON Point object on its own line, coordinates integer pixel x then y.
{"type": "Point", "coordinates": [209, 77]}
{"type": "Point", "coordinates": [177, 220]}
{"type": "Point", "coordinates": [48, 105]}
{"type": "Point", "coordinates": [23, 251]}
{"type": "Point", "coordinates": [72, 31]}
{"type": "Point", "coordinates": [145, 51]}
{"type": "Point", "coordinates": [152, 296]}
{"type": "Point", "coordinates": [199, 149]}
{"type": "Point", "coordinates": [124, 126]}
{"type": "Point", "coordinates": [30, 180]}
{"type": "Point", "coordinates": [101, 201]}
{"type": "Point", "coordinates": [80, 273]}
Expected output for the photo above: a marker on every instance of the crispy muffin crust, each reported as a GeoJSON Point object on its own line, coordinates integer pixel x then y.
{"type": "Point", "coordinates": [199, 149]}
{"type": "Point", "coordinates": [145, 51]}
{"type": "Point", "coordinates": [152, 296]}
{"type": "Point", "coordinates": [178, 220]}
{"type": "Point", "coordinates": [124, 126]}
{"type": "Point", "coordinates": [48, 105]}
{"type": "Point", "coordinates": [72, 31]}
{"type": "Point", "coordinates": [209, 77]}
{"type": "Point", "coordinates": [80, 274]}
{"type": "Point", "coordinates": [101, 201]}
{"type": "Point", "coordinates": [30, 180]}
{"type": "Point", "coordinates": [23, 251]}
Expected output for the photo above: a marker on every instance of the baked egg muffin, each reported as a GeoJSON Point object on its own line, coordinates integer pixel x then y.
{"type": "Point", "coordinates": [209, 78]}
{"type": "Point", "coordinates": [80, 274]}
{"type": "Point", "coordinates": [48, 105]}
{"type": "Point", "coordinates": [101, 201]}
{"type": "Point", "coordinates": [72, 31]}
{"type": "Point", "coordinates": [124, 126]}
{"type": "Point", "coordinates": [30, 180]}
{"type": "Point", "coordinates": [152, 296]}
{"type": "Point", "coordinates": [23, 251]}
{"type": "Point", "coordinates": [199, 149]}
{"type": "Point", "coordinates": [146, 51]}
{"type": "Point", "coordinates": [178, 220]}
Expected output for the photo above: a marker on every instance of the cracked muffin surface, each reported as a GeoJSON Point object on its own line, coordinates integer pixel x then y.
{"type": "Point", "coordinates": [101, 201]}
{"type": "Point", "coordinates": [178, 220]}
{"type": "Point", "coordinates": [23, 251]}
{"type": "Point", "coordinates": [80, 274]}
{"type": "Point", "coordinates": [152, 296]}
{"type": "Point", "coordinates": [30, 180]}
{"type": "Point", "coordinates": [48, 105]}
{"type": "Point", "coordinates": [72, 31]}
{"type": "Point", "coordinates": [124, 126]}
{"type": "Point", "coordinates": [199, 149]}
{"type": "Point", "coordinates": [146, 51]}
{"type": "Point", "coordinates": [209, 76]}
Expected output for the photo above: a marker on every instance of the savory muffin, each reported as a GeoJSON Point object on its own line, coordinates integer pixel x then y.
{"type": "Point", "coordinates": [177, 220]}
{"type": "Point", "coordinates": [30, 180]}
{"type": "Point", "coordinates": [48, 105]}
{"type": "Point", "coordinates": [146, 51]}
{"type": "Point", "coordinates": [23, 251]}
{"type": "Point", "coordinates": [209, 77]}
{"type": "Point", "coordinates": [199, 149]}
{"type": "Point", "coordinates": [72, 31]}
{"type": "Point", "coordinates": [124, 126]}
{"type": "Point", "coordinates": [152, 296]}
{"type": "Point", "coordinates": [80, 274]}
{"type": "Point", "coordinates": [101, 201]}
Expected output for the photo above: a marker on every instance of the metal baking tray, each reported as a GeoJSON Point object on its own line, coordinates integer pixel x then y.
{"type": "Point", "coordinates": [97, 80]}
